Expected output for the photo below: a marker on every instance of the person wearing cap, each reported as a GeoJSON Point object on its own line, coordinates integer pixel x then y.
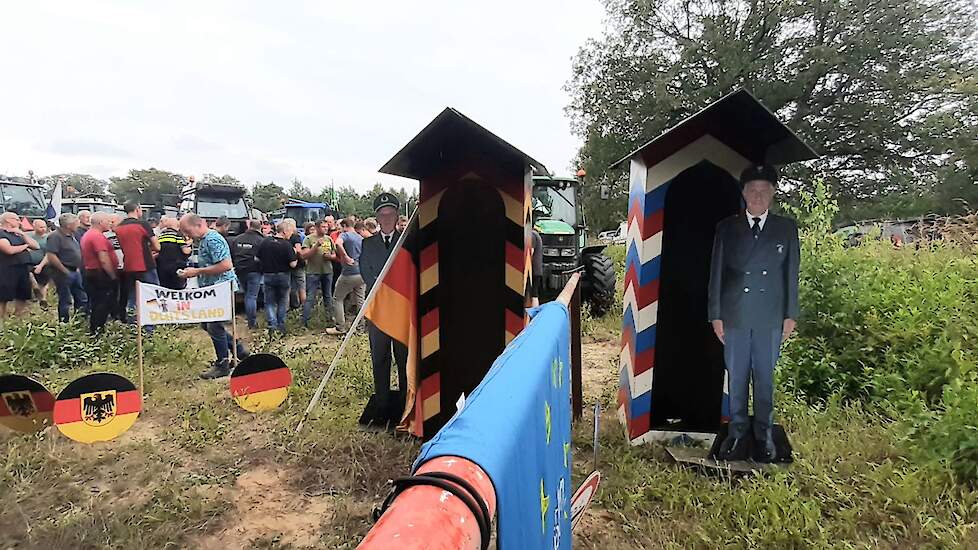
{"type": "Point", "coordinates": [753, 307]}
{"type": "Point", "coordinates": [376, 250]}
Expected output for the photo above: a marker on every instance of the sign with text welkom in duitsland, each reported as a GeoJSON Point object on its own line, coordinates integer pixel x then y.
{"type": "Point", "coordinates": [160, 306]}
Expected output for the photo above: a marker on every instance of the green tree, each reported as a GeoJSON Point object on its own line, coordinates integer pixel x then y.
{"type": "Point", "coordinates": [150, 186]}
{"type": "Point", "coordinates": [75, 185]}
{"type": "Point", "coordinates": [298, 190]}
{"type": "Point", "coordinates": [220, 180]}
{"type": "Point", "coordinates": [879, 87]}
{"type": "Point", "coordinates": [267, 196]}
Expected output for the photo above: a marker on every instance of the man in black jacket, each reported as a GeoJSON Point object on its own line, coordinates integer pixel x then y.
{"type": "Point", "coordinates": [376, 251]}
{"type": "Point", "coordinates": [243, 250]}
{"type": "Point", "coordinates": [753, 306]}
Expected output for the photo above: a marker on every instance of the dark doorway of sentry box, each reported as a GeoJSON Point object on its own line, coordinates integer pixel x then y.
{"type": "Point", "coordinates": [472, 273]}
{"type": "Point", "coordinates": [687, 384]}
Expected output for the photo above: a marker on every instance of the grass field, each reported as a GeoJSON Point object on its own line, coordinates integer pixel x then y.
{"type": "Point", "coordinates": [196, 471]}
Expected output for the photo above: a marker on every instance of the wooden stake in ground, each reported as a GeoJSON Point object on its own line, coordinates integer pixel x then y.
{"type": "Point", "coordinates": [353, 325]}
{"type": "Point", "coordinates": [139, 341]}
{"type": "Point", "coordinates": [234, 330]}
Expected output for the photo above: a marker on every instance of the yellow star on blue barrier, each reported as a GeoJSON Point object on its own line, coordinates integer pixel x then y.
{"type": "Point", "coordinates": [546, 419]}
{"type": "Point", "coordinates": [544, 506]}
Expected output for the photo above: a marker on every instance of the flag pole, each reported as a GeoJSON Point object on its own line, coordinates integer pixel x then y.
{"type": "Point", "coordinates": [139, 340]}
{"type": "Point", "coordinates": [234, 328]}
{"type": "Point", "coordinates": [349, 333]}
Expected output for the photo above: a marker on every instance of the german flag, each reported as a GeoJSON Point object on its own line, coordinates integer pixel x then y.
{"type": "Point", "coordinates": [260, 383]}
{"type": "Point", "coordinates": [393, 310]}
{"type": "Point", "coordinates": [97, 407]}
{"type": "Point", "coordinates": [25, 405]}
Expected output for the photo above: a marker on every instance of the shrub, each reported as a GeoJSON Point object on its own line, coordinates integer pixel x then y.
{"type": "Point", "coordinates": [879, 323]}
{"type": "Point", "coordinates": [949, 434]}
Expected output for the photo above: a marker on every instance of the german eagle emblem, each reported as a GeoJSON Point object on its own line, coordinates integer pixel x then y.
{"type": "Point", "coordinates": [98, 408]}
{"type": "Point", "coordinates": [20, 403]}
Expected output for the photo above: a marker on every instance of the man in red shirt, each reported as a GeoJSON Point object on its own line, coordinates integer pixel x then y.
{"type": "Point", "coordinates": [99, 271]}
{"type": "Point", "coordinates": [138, 243]}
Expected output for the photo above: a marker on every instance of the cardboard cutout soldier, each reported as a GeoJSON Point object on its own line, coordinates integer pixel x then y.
{"type": "Point", "coordinates": [753, 299]}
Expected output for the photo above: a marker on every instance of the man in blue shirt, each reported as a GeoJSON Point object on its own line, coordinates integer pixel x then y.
{"type": "Point", "coordinates": [214, 259]}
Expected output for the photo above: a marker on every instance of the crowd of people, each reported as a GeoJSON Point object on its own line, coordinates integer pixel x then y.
{"type": "Point", "coordinates": [95, 260]}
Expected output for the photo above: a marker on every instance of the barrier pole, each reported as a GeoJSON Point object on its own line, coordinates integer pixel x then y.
{"type": "Point", "coordinates": [427, 517]}
{"type": "Point", "coordinates": [570, 296]}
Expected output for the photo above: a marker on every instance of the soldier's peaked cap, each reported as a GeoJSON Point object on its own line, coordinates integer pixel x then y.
{"type": "Point", "coordinates": [386, 199]}
{"type": "Point", "coordinates": [764, 172]}
{"type": "Point", "coordinates": [739, 121]}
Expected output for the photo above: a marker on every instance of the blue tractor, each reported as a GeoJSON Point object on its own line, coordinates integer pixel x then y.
{"type": "Point", "coordinates": [301, 211]}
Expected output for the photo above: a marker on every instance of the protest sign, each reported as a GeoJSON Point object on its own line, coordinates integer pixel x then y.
{"type": "Point", "coordinates": [161, 306]}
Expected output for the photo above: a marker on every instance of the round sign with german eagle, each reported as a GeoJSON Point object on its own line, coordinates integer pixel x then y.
{"type": "Point", "coordinates": [25, 405]}
{"type": "Point", "coordinates": [260, 382]}
{"type": "Point", "coordinates": [97, 407]}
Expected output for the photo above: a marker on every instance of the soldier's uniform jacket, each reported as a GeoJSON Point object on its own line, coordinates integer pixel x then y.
{"type": "Point", "coordinates": [373, 256]}
{"type": "Point", "coordinates": [754, 282]}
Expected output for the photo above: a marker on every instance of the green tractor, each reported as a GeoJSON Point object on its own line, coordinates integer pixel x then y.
{"type": "Point", "coordinates": [559, 219]}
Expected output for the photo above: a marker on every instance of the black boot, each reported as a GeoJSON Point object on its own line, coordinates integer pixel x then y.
{"type": "Point", "coordinates": [764, 451]}
{"type": "Point", "coordinates": [220, 369]}
{"type": "Point", "coordinates": [733, 448]}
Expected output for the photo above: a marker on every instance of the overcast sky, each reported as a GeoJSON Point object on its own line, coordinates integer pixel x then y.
{"type": "Point", "coordinates": [275, 90]}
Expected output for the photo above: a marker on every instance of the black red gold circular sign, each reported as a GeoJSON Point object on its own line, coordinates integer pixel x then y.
{"type": "Point", "coordinates": [260, 383]}
{"type": "Point", "coordinates": [97, 407]}
{"type": "Point", "coordinates": [25, 405]}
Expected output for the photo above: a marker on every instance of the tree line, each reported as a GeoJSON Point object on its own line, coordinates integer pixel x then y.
{"type": "Point", "coordinates": [154, 186]}
{"type": "Point", "coordinates": [885, 90]}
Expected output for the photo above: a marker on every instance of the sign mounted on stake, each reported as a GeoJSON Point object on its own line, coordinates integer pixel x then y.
{"type": "Point", "coordinates": [260, 383]}
{"type": "Point", "coordinates": [163, 306]}
{"type": "Point", "coordinates": [25, 405]}
{"type": "Point", "coordinates": [97, 407]}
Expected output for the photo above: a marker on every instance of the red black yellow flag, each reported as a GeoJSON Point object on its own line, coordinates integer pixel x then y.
{"type": "Point", "coordinates": [25, 405]}
{"type": "Point", "coordinates": [393, 310]}
{"type": "Point", "coordinates": [260, 383]}
{"type": "Point", "coordinates": [97, 407]}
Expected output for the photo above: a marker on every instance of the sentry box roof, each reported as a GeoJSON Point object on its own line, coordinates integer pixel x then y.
{"type": "Point", "coordinates": [449, 138]}
{"type": "Point", "coordinates": [739, 121]}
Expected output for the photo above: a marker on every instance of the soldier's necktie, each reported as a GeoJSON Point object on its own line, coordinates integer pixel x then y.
{"type": "Point", "coordinates": [387, 242]}
{"type": "Point", "coordinates": [756, 228]}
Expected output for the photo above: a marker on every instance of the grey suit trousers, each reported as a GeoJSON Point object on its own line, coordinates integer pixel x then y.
{"type": "Point", "coordinates": [750, 355]}
{"type": "Point", "coordinates": [383, 348]}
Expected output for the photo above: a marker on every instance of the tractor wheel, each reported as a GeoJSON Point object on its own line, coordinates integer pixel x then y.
{"type": "Point", "coordinates": [598, 283]}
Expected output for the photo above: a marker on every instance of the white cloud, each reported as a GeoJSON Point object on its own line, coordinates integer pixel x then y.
{"type": "Point", "coordinates": [272, 91]}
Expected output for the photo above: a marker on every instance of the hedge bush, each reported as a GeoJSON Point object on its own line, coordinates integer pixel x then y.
{"type": "Point", "coordinates": [893, 328]}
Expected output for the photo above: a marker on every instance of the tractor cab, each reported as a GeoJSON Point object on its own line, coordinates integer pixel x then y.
{"type": "Point", "coordinates": [24, 198]}
{"type": "Point", "coordinates": [301, 211]}
{"type": "Point", "coordinates": [558, 217]}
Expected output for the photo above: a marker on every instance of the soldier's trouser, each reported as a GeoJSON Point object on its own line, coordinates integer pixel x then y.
{"type": "Point", "coordinates": [750, 355]}
{"type": "Point", "coordinates": [383, 348]}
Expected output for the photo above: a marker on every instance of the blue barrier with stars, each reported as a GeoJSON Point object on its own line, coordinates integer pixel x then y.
{"type": "Point", "coordinates": [516, 425]}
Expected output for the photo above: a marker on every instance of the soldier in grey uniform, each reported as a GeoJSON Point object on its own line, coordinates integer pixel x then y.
{"type": "Point", "coordinates": [753, 306]}
{"type": "Point", "coordinates": [376, 250]}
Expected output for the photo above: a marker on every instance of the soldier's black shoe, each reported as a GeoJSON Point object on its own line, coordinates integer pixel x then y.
{"type": "Point", "coordinates": [733, 448]}
{"type": "Point", "coordinates": [220, 369]}
{"type": "Point", "coordinates": [765, 451]}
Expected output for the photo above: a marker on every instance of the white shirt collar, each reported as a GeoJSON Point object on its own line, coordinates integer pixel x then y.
{"type": "Point", "coordinates": [387, 235]}
{"type": "Point", "coordinates": [750, 218]}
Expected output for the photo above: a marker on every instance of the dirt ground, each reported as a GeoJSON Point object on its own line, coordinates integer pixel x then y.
{"type": "Point", "coordinates": [195, 471]}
